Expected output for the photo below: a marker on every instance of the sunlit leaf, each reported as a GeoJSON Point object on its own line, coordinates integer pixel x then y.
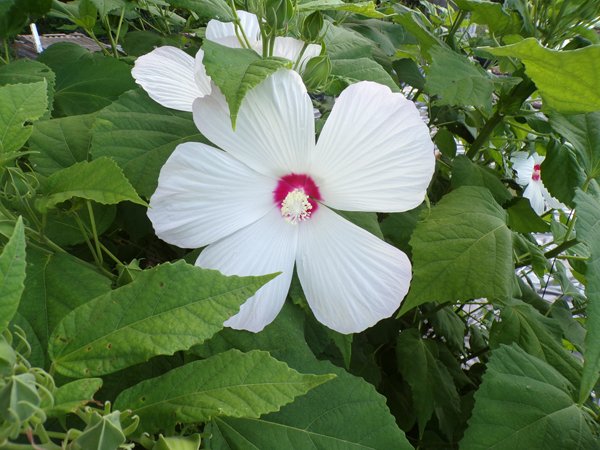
{"type": "Point", "coordinates": [232, 384]}
{"type": "Point", "coordinates": [12, 274]}
{"type": "Point", "coordinates": [167, 308]}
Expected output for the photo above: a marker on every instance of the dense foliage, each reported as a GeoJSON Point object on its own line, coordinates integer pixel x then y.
{"type": "Point", "coordinates": [111, 338]}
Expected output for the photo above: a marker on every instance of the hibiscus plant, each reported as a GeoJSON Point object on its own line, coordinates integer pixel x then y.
{"type": "Point", "coordinates": [296, 224]}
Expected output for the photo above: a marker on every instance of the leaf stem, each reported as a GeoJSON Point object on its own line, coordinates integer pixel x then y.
{"type": "Point", "coordinates": [94, 230]}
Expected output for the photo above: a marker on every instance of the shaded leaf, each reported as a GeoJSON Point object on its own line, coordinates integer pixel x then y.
{"type": "Point", "coordinates": [73, 395]}
{"type": "Point", "coordinates": [28, 71]}
{"type": "Point", "coordinates": [499, 20]}
{"type": "Point", "coordinates": [12, 274]}
{"type": "Point", "coordinates": [85, 82]}
{"type": "Point", "coordinates": [524, 403]}
{"type": "Point", "coordinates": [139, 135]}
{"type": "Point", "coordinates": [208, 9]}
{"type": "Point", "coordinates": [467, 173]}
{"type": "Point", "coordinates": [348, 71]}
{"type": "Point", "coordinates": [362, 8]}
{"type": "Point", "coordinates": [561, 173]}
{"type": "Point", "coordinates": [60, 143]}
{"type": "Point", "coordinates": [457, 81]}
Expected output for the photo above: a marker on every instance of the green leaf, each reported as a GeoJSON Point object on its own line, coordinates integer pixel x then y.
{"type": "Point", "coordinates": [178, 442]}
{"type": "Point", "coordinates": [106, 6]}
{"type": "Point", "coordinates": [344, 413]}
{"type": "Point", "coordinates": [139, 134]}
{"type": "Point", "coordinates": [366, 220]}
{"type": "Point", "coordinates": [19, 398]}
{"type": "Point", "coordinates": [462, 250]}
{"type": "Point", "coordinates": [447, 323]}
{"type": "Point", "coordinates": [417, 24]}
{"type": "Point", "coordinates": [561, 173]}
{"type": "Point", "coordinates": [588, 231]}
{"type": "Point", "coordinates": [554, 72]}
{"type": "Point", "coordinates": [150, 316]}
{"type": "Point", "coordinates": [28, 71]}
{"type": "Point", "coordinates": [207, 9]}
{"type": "Point", "coordinates": [583, 132]}
{"type": "Point", "coordinates": [457, 81]}
{"type": "Point", "coordinates": [524, 403]}
{"type": "Point", "coordinates": [15, 14]}
{"type": "Point", "coordinates": [237, 70]}
{"type": "Point", "coordinates": [467, 173]}
{"type": "Point", "coordinates": [363, 8]}
{"type": "Point", "coordinates": [349, 71]}
{"type": "Point", "coordinates": [101, 433]}
{"type": "Point", "coordinates": [56, 284]}
{"type": "Point", "coordinates": [523, 219]}
{"type": "Point", "coordinates": [73, 395]}
{"type": "Point", "coordinates": [12, 274]}
{"type": "Point", "coordinates": [498, 20]}
{"type": "Point", "coordinates": [538, 335]}
{"type": "Point", "coordinates": [85, 82]}
{"type": "Point", "coordinates": [397, 228]}
{"type": "Point", "coordinates": [20, 103]}
{"type": "Point", "coordinates": [62, 227]}
{"type": "Point", "coordinates": [100, 180]}
{"type": "Point", "coordinates": [342, 43]}
{"type": "Point", "coordinates": [232, 384]}
{"type": "Point", "coordinates": [60, 143]}
{"type": "Point", "coordinates": [430, 382]}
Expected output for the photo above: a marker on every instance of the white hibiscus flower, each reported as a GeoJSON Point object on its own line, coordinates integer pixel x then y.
{"type": "Point", "coordinates": [263, 203]}
{"type": "Point", "coordinates": [529, 175]}
{"type": "Point", "coordinates": [174, 79]}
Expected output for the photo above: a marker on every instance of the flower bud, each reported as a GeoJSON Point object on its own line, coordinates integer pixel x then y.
{"type": "Point", "coordinates": [279, 13]}
{"type": "Point", "coordinates": [317, 72]}
{"type": "Point", "coordinates": [312, 26]}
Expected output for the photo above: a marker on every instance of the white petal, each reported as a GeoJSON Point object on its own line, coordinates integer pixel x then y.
{"type": "Point", "coordinates": [167, 75]}
{"type": "Point", "coordinates": [274, 132]}
{"type": "Point", "coordinates": [534, 193]}
{"type": "Point", "coordinates": [523, 164]}
{"type": "Point", "coordinates": [374, 153]}
{"type": "Point", "coordinates": [200, 76]}
{"type": "Point", "coordinates": [290, 48]}
{"type": "Point", "coordinates": [222, 32]}
{"type": "Point", "coordinates": [551, 201]}
{"type": "Point", "coordinates": [266, 246]}
{"type": "Point", "coordinates": [351, 278]}
{"type": "Point", "coordinates": [204, 194]}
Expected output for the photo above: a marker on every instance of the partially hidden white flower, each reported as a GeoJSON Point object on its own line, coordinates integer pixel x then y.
{"type": "Point", "coordinates": [529, 175]}
{"type": "Point", "coordinates": [174, 79]}
{"type": "Point", "coordinates": [264, 203]}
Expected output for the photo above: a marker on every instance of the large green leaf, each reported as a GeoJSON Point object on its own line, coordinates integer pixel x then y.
{"type": "Point", "coordinates": [417, 24]}
{"type": "Point", "coordinates": [28, 71]}
{"type": "Point", "coordinates": [100, 180]}
{"type": "Point", "coordinates": [363, 8]}
{"type": "Point", "coordinates": [588, 231]}
{"type": "Point", "coordinates": [73, 395]}
{"type": "Point", "coordinates": [498, 20]}
{"type": "Point", "coordinates": [583, 133]}
{"type": "Point", "coordinates": [344, 413]}
{"type": "Point", "coordinates": [349, 71]}
{"type": "Point", "coordinates": [12, 274]}
{"type": "Point", "coordinates": [467, 173]}
{"type": "Point", "coordinates": [561, 173]}
{"type": "Point", "coordinates": [237, 70]}
{"type": "Point", "coordinates": [19, 104]}
{"type": "Point", "coordinates": [60, 143]}
{"type": "Point", "coordinates": [523, 403]}
{"type": "Point", "coordinates": [457, 81]}
{"type": "Point", "coordinates": [139, 134]}
{"type": "Point", "coordinates": [85, 82]}
{"type": "Point", "coordinates": [165, 309]}
{"type": "Point", "coordinates": [15, 14]}
{"type": "Point", "coordinates": [462, 250]}
{"type": "Point", "coordinates": [566, 79]}
{"type": "Point", "coordinates": [56, 284]}
{"type": "Point", "coordinates": [208, 9]}
{"type": "Point", "coordinates": [538, 335]}
{"type": "Point", "coordinates": [431, 384]}
{"type": "Point", "coordinates": [231, 384]}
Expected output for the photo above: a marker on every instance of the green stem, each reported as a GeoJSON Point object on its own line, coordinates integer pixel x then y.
{"type": "Point", "coordinates": [120, 24]}
{"type": "Point", "coordinates": [6, 51]}
{"type": "Point", "coordinates": [94, 230]}
{"type": "Point", "coordinates": [297, 63]}
{"type": "Point", "coordinates": [113, 44]}
{"type": "Point", "coordinates": [459, 18]}
{"type": "Point", "coordinates": [485, 133]}
{"type": "Point", "coordinates": [551, 253]}
{"type": "Point", "coordinates": [87, 240]}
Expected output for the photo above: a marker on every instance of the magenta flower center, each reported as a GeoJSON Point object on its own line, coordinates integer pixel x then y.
{"type": "Point", "coordinates": [297, 196]}
{"type": "Point", "coordinates": [536, 173]}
